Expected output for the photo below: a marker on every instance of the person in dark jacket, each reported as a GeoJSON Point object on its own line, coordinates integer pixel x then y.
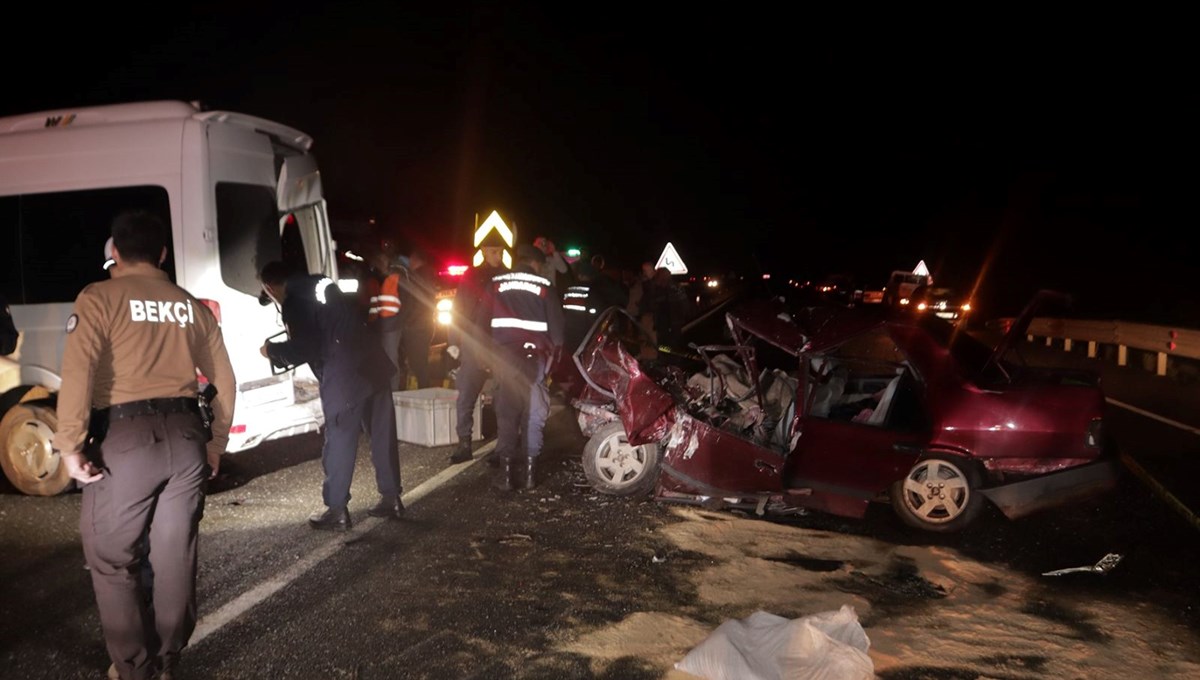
{"type": "Point", "coordinates": [606, 289]}
{"type": "Point", "coordinates": [417, 292]}
{"type": "Point", "coordinates": [327, 329]}
{"type": "Point", "coordinates": [471, 345]}
{"type": "Point", "coordinates": [669, 307]}
{"type": "Point", "coordinates": [525, 316]}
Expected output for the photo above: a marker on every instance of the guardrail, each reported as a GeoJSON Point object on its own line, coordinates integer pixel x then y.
{"type": "Point", "coordinates": [1164, 342]}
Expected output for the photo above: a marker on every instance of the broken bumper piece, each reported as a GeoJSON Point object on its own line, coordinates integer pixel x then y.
{"type": "Point", "coordinates": [1057, 488]}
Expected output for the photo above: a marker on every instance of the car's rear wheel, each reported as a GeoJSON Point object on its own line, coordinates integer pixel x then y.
{"type": "Point", "coordinates": [26, 454]}
{"type": "Point", "coordinates": [938, 494]}
{"type": "Point", "coordinates": [614, 466]}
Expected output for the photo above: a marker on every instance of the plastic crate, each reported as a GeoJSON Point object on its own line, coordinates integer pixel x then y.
{"type": "Point", "coordinates": [428, 416]}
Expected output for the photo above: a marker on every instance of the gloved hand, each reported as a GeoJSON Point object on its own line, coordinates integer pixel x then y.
{"type": "Point", "coordinates": [453, 351]}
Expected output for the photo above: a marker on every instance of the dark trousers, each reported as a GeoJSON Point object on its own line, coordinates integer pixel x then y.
{"type": "Point", "coordinates": [415, 351]}
{"type": "Point", "coordinates": [391, 339]}
{"type": "Point", "coordinates": [153, 487]}
{"type": "Point", "coordinates": [469, 380]}
{"type": "Point", "coordinates": [515, 374]}
{"type": "Point", "coordinates": [375, 415]}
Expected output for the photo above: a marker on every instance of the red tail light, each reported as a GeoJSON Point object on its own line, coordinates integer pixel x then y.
{"type": "Point", "coordinates": [237, 429]}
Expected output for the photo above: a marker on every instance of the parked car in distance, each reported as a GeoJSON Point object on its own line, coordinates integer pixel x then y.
{"type": "Point", "coordinates": [944, 303]}
{"type": "Point", "coordinates": [841, 409]}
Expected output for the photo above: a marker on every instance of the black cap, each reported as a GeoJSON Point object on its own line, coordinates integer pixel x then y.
{"type": "Point", "coordinates": [526, 251]}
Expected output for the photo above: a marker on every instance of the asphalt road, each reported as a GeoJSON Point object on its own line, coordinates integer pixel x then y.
{"type": "Point", "coordinates": [477, 583]}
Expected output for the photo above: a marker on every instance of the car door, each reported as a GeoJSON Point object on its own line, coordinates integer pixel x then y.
{"type": "Point", "coordinates": [866, 436]}
{"type": "Point", "coordinates": [699, 458]}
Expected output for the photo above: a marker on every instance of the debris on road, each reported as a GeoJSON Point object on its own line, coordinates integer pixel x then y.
{"type": "Point", "coordinates": [830, 644]}
{"type": "Point", "coordinates": [1105, 565]}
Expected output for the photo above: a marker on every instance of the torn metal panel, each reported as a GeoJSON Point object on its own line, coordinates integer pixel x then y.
{"type": "Point", "coordinates": [721, 460]}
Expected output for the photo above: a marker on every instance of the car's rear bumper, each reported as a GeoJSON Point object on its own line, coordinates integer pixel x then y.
{"type": "Point", "coordinates": [1051, 490]}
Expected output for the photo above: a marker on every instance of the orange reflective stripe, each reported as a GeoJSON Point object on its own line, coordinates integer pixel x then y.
{"type": "Point", "coordinates": [388, 300]}
{"type": "Point", "coordinates": [372, 293]}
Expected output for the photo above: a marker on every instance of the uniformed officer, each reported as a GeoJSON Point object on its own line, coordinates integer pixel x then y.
{"type": "Point", "coordinates": [327, 329]}
{"type": "Point", "coordinates": [471, 344]}
{"type": "Point", "coordinates": [525, 316]}
{"type": "Point", "coordinates": [134, 346]}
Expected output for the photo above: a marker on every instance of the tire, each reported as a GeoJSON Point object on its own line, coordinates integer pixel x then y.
{"type": "Point", "coordinates": [26, 454]}
{"type": "Point", "coordinates": [939, 494]}
{"type": "Point", "coordinates": [614, 467]}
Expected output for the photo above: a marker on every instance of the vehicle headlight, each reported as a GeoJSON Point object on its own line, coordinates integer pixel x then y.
{"type": "Point", "coordinates": [444, 308]}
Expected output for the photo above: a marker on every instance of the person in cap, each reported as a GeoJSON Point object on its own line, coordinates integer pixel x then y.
{"type": "Point", "coordinates": [524, 314]}
{"type": "Point", "coordinates": [131, 432]}
{"type": "Point", "coordinates": [327, 329]}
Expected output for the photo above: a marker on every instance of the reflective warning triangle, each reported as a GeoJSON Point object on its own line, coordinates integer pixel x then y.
{"type": "Point", "coordinates": [671, 260]}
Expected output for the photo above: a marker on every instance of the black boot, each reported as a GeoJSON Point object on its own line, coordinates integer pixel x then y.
{"type": "Point", "coordinates": [529, 479]}
{"type": "Point", "coordinates": [463, 452]}
{"type": "Point", "coordinates": [503, 475]}
{"type": "Point", "coordinates": [388, 506]}
{"type": "Point", "coordinates": [337, 519]}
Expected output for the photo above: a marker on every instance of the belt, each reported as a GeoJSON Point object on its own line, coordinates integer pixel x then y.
{"type": "Point", "coordinates": [151, 407]}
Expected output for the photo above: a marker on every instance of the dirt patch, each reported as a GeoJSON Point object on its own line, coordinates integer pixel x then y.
{"type": "Point", "coordinates": [929, 611]}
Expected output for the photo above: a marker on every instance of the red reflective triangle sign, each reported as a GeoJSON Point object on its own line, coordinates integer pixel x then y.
{"type": "Point", "coordinates": [671, 260]}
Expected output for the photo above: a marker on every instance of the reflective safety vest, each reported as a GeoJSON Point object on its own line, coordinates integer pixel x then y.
{"type": "Point", "coordinates": [575, 298]}
{"type": "Point", "coordinates": [385, 298]}
{"type": "Point", "coordinates": [525, 313]}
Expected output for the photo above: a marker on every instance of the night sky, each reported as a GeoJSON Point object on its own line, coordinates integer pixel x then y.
{"type": "Point", "coordinates": [1010, 156]}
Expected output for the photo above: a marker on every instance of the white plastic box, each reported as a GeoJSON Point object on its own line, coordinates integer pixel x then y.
{"type": "Point", "coordinates": [428, 416]}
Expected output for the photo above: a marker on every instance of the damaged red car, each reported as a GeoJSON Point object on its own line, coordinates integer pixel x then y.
{"type": "Point", "coordinates": [835, 409]}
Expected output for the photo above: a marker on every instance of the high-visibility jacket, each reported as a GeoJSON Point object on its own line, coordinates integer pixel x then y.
{"type": "Point", "coordinates": [524, 312]}
{"type": "Point", "coordinates": [575, 298]}
{"type": "Point", "coordinates": [384, 302]}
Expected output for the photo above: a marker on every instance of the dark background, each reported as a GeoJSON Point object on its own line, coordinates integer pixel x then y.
{"type": "Point", "coordinates": [1008, 152]}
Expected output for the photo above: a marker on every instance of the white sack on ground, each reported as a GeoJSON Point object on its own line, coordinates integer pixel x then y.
{"type": "Point", "coordinates": [827, 646]}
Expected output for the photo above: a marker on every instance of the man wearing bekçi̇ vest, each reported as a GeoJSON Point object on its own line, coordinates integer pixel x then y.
{"type": "Point", "coordinates": [134, 346]}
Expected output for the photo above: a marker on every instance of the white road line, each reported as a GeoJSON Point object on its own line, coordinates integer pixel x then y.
{"type": "Point", "coordinates": [1154, 416]}
{"type": "Point", "coordinates": [207, 625]}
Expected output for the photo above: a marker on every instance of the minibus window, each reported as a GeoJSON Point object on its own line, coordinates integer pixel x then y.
{"type": "Point", "coordinates": [54, 242]}
{"type": "Point", "coordinates": [247, 233]}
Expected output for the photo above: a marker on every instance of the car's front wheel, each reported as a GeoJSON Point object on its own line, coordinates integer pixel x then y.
{"type": "Point", "coordinates": [938, 494]}
{"type": "Point", "coordinates": [614, 466]}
